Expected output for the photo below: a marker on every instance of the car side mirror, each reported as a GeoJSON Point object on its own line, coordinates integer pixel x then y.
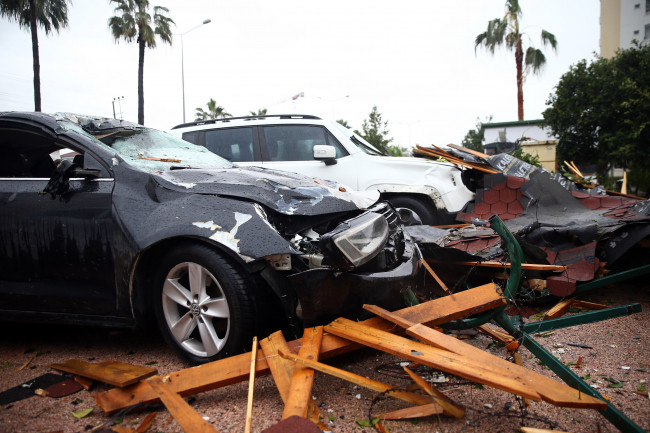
{"type": "Point", "coordinates": [324, 153]}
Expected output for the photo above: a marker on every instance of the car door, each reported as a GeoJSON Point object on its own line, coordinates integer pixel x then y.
{"type": "Point", "coordinates": [55, 251]}
{"type": "Point", "coordinates": [290, 148]}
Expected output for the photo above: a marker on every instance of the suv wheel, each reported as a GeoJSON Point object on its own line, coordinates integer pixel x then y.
{"type": "Point", "coordinates": [413, 211]}
{"type": "Point", "coordinates": [203, 307]}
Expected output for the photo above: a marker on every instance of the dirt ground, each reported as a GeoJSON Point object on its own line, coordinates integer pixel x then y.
{"type": "Point", "coordinates": [618, 349]}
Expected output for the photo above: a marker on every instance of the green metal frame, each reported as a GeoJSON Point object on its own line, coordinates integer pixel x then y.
{"type": "Point", "coordinates": [523, 333]}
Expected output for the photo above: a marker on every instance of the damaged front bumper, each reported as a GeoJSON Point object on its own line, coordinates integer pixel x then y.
{"type": "Point", "coordinates": [326, 294]}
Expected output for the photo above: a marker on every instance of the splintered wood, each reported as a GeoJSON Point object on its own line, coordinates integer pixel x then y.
{"type": "Point", "coordinates": [236, 369]}
{"type": "Point", "coordinates": [293, 365]}
{"type": "Point", "coordinates": [112, 372]}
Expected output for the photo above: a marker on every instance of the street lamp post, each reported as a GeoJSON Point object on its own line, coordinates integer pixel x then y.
{"type": "Point", "coordinates": [206, 21]}
{"type": "Point", "coordinates": [333, 101]}
{"type": "Point", "coordinates": [119, 100]}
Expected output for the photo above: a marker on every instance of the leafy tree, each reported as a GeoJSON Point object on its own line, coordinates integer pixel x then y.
{"type": "Point", "coordinates": [474, 137]}
{"type": "Point", "coordinates": [133, 21]}
{"type": "Point", "coordinates": [506, 31]}
{"type": "Point", "coordinates": [214, 111]}
{"type": "Point", "coordinates": [343, 123]}
{"type": "Point", "coordinates": [30, 14]}
{"type": "Point", "coordinates": [396, 150]}
{"type": "Point", "coordinates": [260, 112]}
{"type": "Point", "coordinates": [526, 157]}
{"type": "Point", "coordinates": [600, 111]}
{"type": "Point", "coordinates": [375, 131]}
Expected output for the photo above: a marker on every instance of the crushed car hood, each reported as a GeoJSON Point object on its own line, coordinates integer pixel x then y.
{"type": "Point", "coordinates": [286, 193]}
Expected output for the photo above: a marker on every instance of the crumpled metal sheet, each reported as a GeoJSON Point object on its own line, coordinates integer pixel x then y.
{"type": "Point", "coordinates": [572, 228]}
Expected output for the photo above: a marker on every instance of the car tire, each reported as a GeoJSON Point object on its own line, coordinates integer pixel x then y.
{"type": "Point", "coordinates": [413, 211]}
{"type": "Point", "coordinates": [203, 306]}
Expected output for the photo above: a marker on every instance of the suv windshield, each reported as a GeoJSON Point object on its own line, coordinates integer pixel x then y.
{"type": "Point", "coordinates": [150, 149]}
{"type": "Point", "coordinates": [360, 142]}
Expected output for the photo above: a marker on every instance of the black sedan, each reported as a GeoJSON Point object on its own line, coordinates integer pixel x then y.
{"type": "Point", "coordinates": [106, 222]}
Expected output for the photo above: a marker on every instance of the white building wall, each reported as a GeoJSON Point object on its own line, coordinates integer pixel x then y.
{"type": "Point", "coordinates": [634, 20]}
{"type": "Point", "coordinates": [516, 132]}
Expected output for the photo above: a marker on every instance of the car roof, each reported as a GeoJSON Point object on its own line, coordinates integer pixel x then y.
{"type": "Point", "coordinates": [248, 120]}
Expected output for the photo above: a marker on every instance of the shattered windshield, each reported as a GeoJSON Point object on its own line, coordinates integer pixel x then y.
{"type": "Point", "coordinates": [152, 150]}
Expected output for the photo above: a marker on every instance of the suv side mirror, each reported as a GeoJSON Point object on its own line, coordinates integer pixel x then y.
{"type": "Point", "coordinates": [324, 153]}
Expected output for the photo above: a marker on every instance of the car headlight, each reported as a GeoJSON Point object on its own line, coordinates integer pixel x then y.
{"type": "Point", "coordinates": [358, 239]}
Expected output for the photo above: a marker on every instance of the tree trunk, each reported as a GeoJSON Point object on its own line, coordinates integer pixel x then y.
{"type": "Point", "coordinates": [519, 59]}
{"type": "Point", "coordinates": [37, 64]}
{"type": "Point", "coordinates": [141, 47]}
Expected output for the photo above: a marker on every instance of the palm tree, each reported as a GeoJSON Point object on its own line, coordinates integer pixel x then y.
{"type": "Point", "coordinates": [133, 21]}
{"type": "Point", "coordinates": [214, 111]}
{"type": "Point", "coordinates": [49, 14]}
{"type": "Point", "coordinates": [506, 30]}
{"type": "Point", "coordinates": [260, 112]}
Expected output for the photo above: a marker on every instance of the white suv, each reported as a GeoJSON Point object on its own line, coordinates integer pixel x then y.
{"type": "Point", "coordinates": [423, 191]}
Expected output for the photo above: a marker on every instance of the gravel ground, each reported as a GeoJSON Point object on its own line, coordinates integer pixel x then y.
{"type": "Point", "coordinates": [615, 344]}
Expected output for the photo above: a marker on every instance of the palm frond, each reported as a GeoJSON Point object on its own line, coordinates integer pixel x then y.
{"type": "Point", "coordinates": [549, 39]}
{"type": "Point", "coordinates": [535, 59]}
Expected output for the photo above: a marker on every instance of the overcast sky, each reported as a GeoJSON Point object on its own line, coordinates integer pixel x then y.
{"type": "Point", "coordinates": [415, 60]}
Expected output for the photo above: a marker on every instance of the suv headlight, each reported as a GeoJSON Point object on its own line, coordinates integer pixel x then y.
{"type": "Point", "coordinates": [357, 240]}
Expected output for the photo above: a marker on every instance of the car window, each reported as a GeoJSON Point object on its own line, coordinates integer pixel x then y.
{"type": "Point", "coordinates": [27, 155]}
{"type": "Point", "coordinates": [233, 144]}
{"type": "Point", "coordinates": [296, 142]}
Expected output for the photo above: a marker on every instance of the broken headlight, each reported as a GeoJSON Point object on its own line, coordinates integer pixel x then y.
{"type": "Point", "coordinates": [356, 241]}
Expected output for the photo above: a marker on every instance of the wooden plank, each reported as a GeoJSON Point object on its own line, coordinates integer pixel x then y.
{"type": "Point", "coordinates": [520, 362]}
{"type": "Point", "coordinates": [189, 419]}
{"type": "Point", "coordinates": [359, 380]}
{"type": "Point", "coordinates": [411, 412]}
{"type": "Point", "coordinates": [112, 372]}
{"type": "Point", "coordinates": [468, 150]}
{"type": "Point", "coordinates": [385, 314]}
{"type": "Point", "coordinates": [235, 369]}
{"type": "Point", "coordinates": [84, 382]}
{"type": "Point", "coordinates": [589, 305]}
{"type": "Point", "coordinates": [282, 370]}
{"type": "Point", "coordinates": [436, 277]}
{"type": "Point", "coordinates": [433, 357]}
{"type": "Point", "coordinates": [548, 389]}
{"type": "Point", "coordinates": [251, 387]}
{"type": "Point", "coordinates": [303, 377]}
{"type": "Point", "coordinates": [559, 309]}
{"type": "Point", "coordinates": [508, 265]}
{"type": "Point", "coordinates": [448, 407]}
{"type": "Point", "coordinates": [455, 306]}
{"type": "Point", "coordinates": [510, 343]}
{"type": "Point", "coordinates": [146, 423]}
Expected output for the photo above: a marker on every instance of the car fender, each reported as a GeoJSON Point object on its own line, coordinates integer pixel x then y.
{"type": "Point", "coordinates": [442, 182]}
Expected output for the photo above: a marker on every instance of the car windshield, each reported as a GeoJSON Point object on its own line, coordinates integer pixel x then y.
{"type": "Point", "coordinates": [359, 141]}
{"type": "Point", "coordinates": [151, 149]}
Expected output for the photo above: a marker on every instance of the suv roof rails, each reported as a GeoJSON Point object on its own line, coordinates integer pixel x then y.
{"type": "Point", "coordinates": [228, 119]}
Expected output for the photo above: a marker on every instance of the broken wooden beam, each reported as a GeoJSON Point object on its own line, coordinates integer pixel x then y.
{"type": "Point", "coordinates": [549, 390]}
{"type": "Point", "coordinates": [251, 387]}
{"type": "Point", "coordinates": [440, 359]}
{"type": "Point", "coordinates": [449, 408]}
{"type": "Point", "coordinates": [189, 419]}
{"type": "Point", "coordinates": [359, 380]}
{"type": "Point", "coordinates": [111, 372]}
{"type": "Point", "coordinates": [411, 412]}
{"type": "Point", "coordinates": [235, 369]}
{"type": "Point", "coordinates": [303, 377]}
{"type": "Point", "coordinates": [282, 371]}
{"type": "Point", "coordinates": [508, 265]}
